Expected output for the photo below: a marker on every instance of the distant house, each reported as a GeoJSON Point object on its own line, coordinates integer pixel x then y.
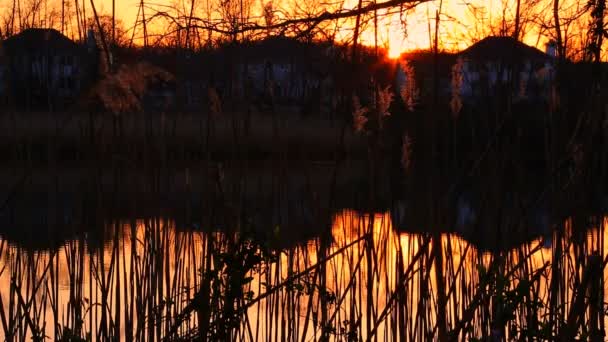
{"type": "Point", "coordinates": [46, 69]}
{"type": "Point", "coordinates": [491, 67]}
{"type": "Point", "coordinates": [498, 64]}
{"type": "Point", "coordinates": [291, 71]}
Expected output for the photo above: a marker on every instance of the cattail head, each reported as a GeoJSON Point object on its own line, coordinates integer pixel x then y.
{"type": "Point", "coordinates": [215, 104]}
{"type": "Point", "coordinates": [456, 85]}
{"type": "Point", "coordinates": [359, 112]}
{"type": "Point", "coordinates": [123, 90]}
{"type": "Point", "coordinates": [385, 98]}
{"type": "Point", "coordinates": [409, 92]}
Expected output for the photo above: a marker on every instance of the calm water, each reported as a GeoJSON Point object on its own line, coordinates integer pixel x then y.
{"type": "Point", "coordinates": [364, 279]}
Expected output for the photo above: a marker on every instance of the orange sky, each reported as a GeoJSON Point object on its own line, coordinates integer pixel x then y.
{"type": "Point", "coordinates": [457, 30]}
{"type": "Point", "coordinates": [391, 30]}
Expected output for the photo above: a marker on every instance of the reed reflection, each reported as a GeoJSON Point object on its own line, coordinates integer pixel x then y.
{"type": "Point", "coordinates": [361, 280]}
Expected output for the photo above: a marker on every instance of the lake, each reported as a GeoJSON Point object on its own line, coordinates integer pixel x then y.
{"type": "Point", "coordinates": [278, 252]}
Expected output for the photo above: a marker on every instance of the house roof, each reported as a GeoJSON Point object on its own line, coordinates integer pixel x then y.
{"type": "Point", "coordinates": [423, 62]}
{"type": "Point", "coordinates": [428, 57]}
{"type": "Point", "coordinates": [503, 48]}
{"type": "Point", "coordinates": [35, 39]}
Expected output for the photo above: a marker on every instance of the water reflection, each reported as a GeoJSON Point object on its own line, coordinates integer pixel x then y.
{"type": "Point", "coordinates": [150, 281]}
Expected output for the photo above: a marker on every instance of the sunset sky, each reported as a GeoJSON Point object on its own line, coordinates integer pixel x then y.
{"type": "Point", "coordinates": [457, 30]}
{"type": "Point", "coordinates": [460, 26]}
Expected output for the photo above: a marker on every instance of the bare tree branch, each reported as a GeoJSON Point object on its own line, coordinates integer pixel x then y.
{"type": "Point", "coordinates": [280, 25]}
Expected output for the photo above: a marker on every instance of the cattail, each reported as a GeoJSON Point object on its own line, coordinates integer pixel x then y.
{"type": "Point", "coordinates": [409, 92]}
{"type": "Point", "coordinates": [215, 104]}
{"type": "Point", "coordinates": [523, 85]}
{"type": "Point", "coordinates": [457, 83]}
{"type": "Point", "coordinates": [359, 118]}
{"type": "Point", "coordinates": [406, 152]}
{"type": "Point", "coordinates": [122, 91]}
{"type": "Point", "coordinates": [385, 98]}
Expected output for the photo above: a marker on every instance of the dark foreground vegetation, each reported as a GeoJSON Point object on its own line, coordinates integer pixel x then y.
{"type": "Point", "coordinates": [411, 211]}
{"type": "Point", "coordinates": [271, 252]}
{"type": "Point", "coordinates": [397, 220]}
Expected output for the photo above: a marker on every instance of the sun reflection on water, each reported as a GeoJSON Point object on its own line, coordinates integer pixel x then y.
{"type": "Point", "coordinates": [366, 277]}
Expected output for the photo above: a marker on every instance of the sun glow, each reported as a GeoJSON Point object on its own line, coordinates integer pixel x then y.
{"type": "Point", "coordinates": [394, 30]}
{"type": "Point", "coordinates": [396, 46]}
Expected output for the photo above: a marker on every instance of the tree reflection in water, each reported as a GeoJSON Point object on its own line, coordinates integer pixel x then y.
{"type": "Point", "coordinates": [150, 281]}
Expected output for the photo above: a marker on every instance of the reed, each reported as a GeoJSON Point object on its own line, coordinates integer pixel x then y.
{"type": "Point", "coordinates": [152, 281]}
{"type": "Point", "coordinates": [228, 270]}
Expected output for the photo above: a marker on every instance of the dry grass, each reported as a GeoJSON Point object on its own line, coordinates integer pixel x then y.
{"type": "Point", "coordinates": [122, 92]}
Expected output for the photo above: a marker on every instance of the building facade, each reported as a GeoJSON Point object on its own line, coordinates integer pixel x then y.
{"type": "Point", "coordinates": [503, 66]}
{"type": "Point", "coordinates": [46, 70]}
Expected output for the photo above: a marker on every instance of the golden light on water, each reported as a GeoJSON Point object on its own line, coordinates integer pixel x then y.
{"type": "Point", "coordinates": [158, 268]}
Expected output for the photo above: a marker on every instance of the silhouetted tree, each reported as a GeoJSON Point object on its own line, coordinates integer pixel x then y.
{"type": "Point", "coordinates": [598, 30]}
{"type": "Point", "coordinates": [120, 35]}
